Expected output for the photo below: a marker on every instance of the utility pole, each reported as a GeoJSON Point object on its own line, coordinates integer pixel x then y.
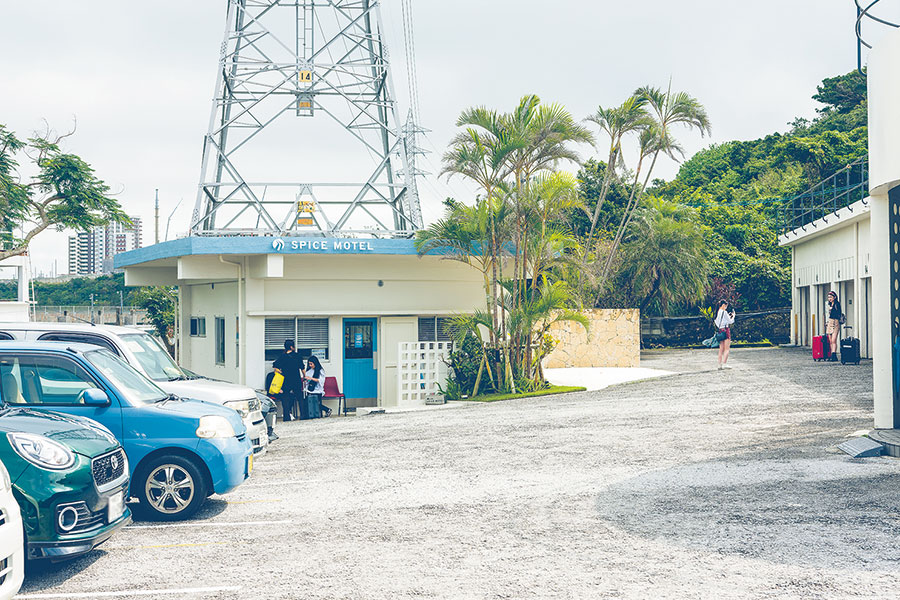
{"type": "Point", "coordinates": [156, 217]}
{"type": "Point", "coordinates": [92, 309]}
{"type": "Point", "coordinates": [121, 308]}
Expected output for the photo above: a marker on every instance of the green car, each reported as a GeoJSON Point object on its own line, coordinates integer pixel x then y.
{"type": "Point", "coordinates": [70, 478]}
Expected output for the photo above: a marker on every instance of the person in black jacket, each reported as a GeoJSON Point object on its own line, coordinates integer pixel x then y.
{"type": "Point", "coordinates": [833, 326]}
{"type": "Point", "coordinates": [289, 364]}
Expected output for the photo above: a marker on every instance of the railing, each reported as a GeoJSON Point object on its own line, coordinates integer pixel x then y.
{"type": "Point", "coordinates": [847, 186]}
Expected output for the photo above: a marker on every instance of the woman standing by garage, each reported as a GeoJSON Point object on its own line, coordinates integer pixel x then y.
{"type": "Point", "coordinates": [833, 327]}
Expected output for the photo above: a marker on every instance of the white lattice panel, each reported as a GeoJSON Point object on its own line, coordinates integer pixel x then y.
{"type": "Point", "coordinates": [420, 369]}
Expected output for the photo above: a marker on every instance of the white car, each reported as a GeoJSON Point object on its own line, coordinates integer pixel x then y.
{"type": "Point", "coordinates": [146, 355]}
{"type": "Point", "coordinates": [12, 545]}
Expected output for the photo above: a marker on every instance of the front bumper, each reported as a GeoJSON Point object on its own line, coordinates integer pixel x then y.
{"type": "Point", "coordinates": [257, 432]}
{"type": "Point", "coordinates": [12, 556]}
{"type": "Point", "coordinates": [228, 460]}
{"type": "Point", "coordinates": [64, 549]}
{"type": "Point", "coordinates": [40, 495]}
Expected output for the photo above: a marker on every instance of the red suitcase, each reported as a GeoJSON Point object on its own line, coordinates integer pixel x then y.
{"type": "Point", "coordinates": [821, 347]}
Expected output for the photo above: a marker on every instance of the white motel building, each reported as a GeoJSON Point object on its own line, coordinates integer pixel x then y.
{"type": "Point", "coordinates": [351, 302]}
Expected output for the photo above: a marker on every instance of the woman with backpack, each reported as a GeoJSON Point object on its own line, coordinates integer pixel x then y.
{"type": "Point", "coordinates": [315, 385]}
{"type": "Point", "coordinates": [724, 320]}
{"type": "Point", "coordinates": [833, 326]}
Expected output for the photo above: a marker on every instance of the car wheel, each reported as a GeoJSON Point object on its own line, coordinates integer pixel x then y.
{"type": "Point", "coordinates": [171, 487]}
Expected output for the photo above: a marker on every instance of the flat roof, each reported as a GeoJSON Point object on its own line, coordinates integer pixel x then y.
{"type": "Point", "coordinates": [197, 245]}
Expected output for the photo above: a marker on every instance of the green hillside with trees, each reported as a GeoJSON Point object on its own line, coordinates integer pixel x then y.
{"type": "Point", "coordinates": [738, 187]}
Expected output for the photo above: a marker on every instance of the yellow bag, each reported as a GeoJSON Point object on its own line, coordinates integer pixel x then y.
{"type": "Point", "coordinates": [277, 382]}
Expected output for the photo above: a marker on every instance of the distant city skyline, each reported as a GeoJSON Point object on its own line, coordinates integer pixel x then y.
{"type": "Point", "coordinates": [92, 252]}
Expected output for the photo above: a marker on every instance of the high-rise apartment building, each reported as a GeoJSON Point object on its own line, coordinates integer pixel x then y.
{"type": "Point", "coordinates": [91, 252]}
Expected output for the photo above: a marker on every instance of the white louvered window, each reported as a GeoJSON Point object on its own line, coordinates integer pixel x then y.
{"type": "Point", "coordinates": [433, 329]}
{"type": "Point", "coordinates": [310, 337]}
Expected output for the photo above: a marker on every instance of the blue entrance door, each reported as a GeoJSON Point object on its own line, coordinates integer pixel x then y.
{"type": "Point", "coordinates": [360, 346]}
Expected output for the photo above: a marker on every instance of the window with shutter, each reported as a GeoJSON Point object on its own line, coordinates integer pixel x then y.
{"type": "Point", "coordinates": [441, 332]}
{"type": "Point", "coordinates": [427, 329]}
{"type": "Point", "coordinates": [312, 337]}
{"type": "Point", "coordinates": [433, 329]}
{"type": "Point", "coordinates": [277, 331]}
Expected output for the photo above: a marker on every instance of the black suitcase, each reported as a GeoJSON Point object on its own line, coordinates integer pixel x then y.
{"type": "Point", "coordinates": [850, 351]}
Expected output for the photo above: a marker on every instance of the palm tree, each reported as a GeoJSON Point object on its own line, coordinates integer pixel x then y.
{"type": "Point", "coordinates": [480, 153]}
{"type": "Point", "coordinates": [668, 109]}
{"type": "Point", "coordinates": [617, 122]}
{"type": "Point", "coordinates": [545, 134]}
{"type": "Point", "coordinates": [464, 235]}
{"type": "Point", "coordinates": [547, 200]}
{"type": "Point", "coordinates": [544, 304]}
{"type": "Point", "coordinates": [663, 257]}
{"type": "Point", "coordinates": [494, 148]}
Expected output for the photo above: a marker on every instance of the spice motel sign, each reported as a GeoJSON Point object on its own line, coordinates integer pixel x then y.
{"type": "Point", "coordinates": [322, 245]}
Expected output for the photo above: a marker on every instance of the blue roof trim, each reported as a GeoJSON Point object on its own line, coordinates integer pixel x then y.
{"type": "Point", "coordinates": [191, 246]}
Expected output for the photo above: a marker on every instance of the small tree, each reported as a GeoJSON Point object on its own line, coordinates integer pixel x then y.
{"type": "Point", "coordinates": [63, 193]}
{"type": "Point", "coordinates": [159, 302]}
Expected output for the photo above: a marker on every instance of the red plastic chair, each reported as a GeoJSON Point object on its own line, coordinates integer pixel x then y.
{"type": "Point", "coordinates": [332, 391]}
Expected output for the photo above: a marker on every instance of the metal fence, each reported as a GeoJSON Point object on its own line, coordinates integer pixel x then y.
{"type": "Point", "coordinates": [106, 315]}
{"type": "Point", "coordinates": [847, 186]}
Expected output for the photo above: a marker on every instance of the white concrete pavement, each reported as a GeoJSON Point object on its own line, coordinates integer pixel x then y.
{"type": "Point", "coordinates": [598, 378]}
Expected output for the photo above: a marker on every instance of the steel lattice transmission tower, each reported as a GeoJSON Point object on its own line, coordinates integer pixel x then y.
{"type": "Point", "coordinates": [299, 80]}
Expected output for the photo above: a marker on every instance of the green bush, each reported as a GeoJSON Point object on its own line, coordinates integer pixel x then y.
{"type": "Point", "coordinates": [464, 363]}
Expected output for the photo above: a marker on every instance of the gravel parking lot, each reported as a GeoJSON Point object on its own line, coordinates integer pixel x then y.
{"type": "Point", "coordinates": [707, 484]}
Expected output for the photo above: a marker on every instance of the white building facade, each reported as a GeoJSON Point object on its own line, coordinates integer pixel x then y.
{"type": "Point", "coordinates": [351, 302]}
{"type": "Point", "coordinates": [832, 253]}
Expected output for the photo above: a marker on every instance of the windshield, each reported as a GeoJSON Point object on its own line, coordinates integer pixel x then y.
{"type": "Point", "coordinates": [154, 360]}
{"type": "Point", "coordinates": [136, 388]}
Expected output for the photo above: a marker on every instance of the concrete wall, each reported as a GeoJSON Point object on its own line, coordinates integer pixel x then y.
{"type": "Point", "coordinates": [17, 312]}
{"type": "Point", "coordinates": [884, 175]}
{"type": "Point", "coordinates": [199, 353]}
{"type": "Point", "coordinates": [614, 340]}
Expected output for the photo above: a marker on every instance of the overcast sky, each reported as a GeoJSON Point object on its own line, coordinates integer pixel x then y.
{"type": "Point", "coordinates": [139, 76]}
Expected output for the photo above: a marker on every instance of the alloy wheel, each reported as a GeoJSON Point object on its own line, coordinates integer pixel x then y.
{"type": "Point", "coordinates": [169, 488]}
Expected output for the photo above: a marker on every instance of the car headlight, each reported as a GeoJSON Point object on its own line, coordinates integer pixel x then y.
{"type": "Point", "coordinates": [242, 406]}
{"type": "Point", "coordinates": [5, 483]}
{"type": "Point", "coordinates": [214, 426]}
{"type": "Point", "coordinates": [41, 451]}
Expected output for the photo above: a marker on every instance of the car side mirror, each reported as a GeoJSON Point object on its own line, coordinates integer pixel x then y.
{"type": "Point", "coordinates": [94, 397]}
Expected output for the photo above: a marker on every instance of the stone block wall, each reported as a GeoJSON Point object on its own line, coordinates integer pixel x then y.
{"type": "Point", "coordinates": [614, 340]}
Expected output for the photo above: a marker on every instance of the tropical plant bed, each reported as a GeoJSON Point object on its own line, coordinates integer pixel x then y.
{"type": "Point", "coordinates": [555, 389]}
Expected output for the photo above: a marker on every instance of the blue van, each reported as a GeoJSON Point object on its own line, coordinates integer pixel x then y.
{"type": "Point", "coordinates": [180, 451]}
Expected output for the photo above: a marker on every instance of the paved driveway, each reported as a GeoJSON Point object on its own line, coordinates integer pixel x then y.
{"type": "Point", "coordinates": [709, 484]}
